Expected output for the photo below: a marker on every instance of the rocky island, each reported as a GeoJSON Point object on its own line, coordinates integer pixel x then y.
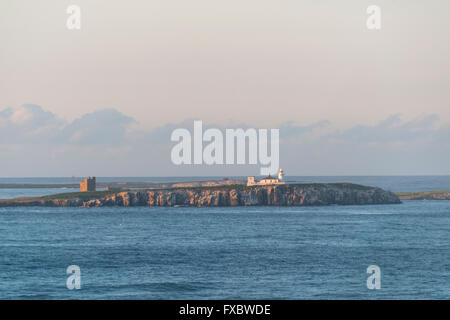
{"type": "Point", "coordinates": [424, 195]}
{"type": "Point", "coordinates": [313, 194]}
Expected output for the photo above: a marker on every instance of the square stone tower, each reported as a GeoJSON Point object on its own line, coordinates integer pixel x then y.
{"type": "Point", "coordinates": [88, 184]}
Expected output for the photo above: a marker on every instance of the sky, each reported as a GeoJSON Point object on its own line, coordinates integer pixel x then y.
{"type": "Point", "coordinates": [103, 100]}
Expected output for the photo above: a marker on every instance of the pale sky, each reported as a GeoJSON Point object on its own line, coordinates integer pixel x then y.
{"type": "Point", "coordinates": [261, 63]}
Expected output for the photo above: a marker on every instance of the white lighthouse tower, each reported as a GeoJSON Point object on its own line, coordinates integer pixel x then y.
{"type": "Point", "coordinates": [280, 174]}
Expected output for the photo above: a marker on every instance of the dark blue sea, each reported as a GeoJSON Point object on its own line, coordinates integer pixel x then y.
{"type": "Point", "coordinates": [230, 253]}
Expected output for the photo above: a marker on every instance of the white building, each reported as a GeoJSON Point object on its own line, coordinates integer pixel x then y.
{"type": "Point", "coordinates": [280, 174]}
{"type": "Point", "coordinates": [269, 180]}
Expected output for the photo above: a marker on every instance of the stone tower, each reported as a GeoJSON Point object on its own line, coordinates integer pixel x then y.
{"type": "Point", "coordinates": [88, 184]}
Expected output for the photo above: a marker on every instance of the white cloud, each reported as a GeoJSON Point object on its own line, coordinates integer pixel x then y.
{"type": "Point", "coordinates": [106, 142]}
{"type": "Point", "coordinates": [104, 127]}
{"type": "Point", "coordinates": [392, 129]}
{"type": "Point", "coordinates": [28, 123]}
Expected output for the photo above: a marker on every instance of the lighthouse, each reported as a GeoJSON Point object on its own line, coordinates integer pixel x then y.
{"type": "Point", "coordinates": [280, 174]}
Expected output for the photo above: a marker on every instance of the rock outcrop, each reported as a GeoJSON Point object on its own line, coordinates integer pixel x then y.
{"type": "Point", "coordinates": [426, 195]}
{"type": "Point", "coordinates": [280, 195]}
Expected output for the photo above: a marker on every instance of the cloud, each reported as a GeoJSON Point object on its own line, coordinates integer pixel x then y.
{"type": "Point", "coordinates": [442, 135]}
{"type": "Point", "coordinates": [392, 129]}
{"type": "Point", "coordinates": [289, 129]}
{"type": "Point", "coordinates": [104, 127]}
{"type": "Point", "coordinates": [28, 123]}
{"type": "Point", "coordinates": [36, 142]}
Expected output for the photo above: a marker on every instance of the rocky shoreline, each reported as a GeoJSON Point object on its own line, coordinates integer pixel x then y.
{"type": "Point", "coordinates": [317, 194]}
{"type": "Point", "coordinates": [425, 195]}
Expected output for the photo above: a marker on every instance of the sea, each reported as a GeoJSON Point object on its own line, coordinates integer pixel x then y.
{"type": "Point", "coordinates": [326, 252]}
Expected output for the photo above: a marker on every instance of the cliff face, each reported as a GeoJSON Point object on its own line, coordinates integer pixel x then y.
{"type": "Point", "coordinates": [281, 195]}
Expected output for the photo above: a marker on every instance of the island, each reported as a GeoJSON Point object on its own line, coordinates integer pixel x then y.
{"type": "Point", "coordinates": [424, 195]}
{"type": "Point", "coordinates": [311, 194]}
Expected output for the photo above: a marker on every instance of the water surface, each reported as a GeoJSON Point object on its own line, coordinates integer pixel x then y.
{"type": "Point", "coordinates": [227, 253]}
